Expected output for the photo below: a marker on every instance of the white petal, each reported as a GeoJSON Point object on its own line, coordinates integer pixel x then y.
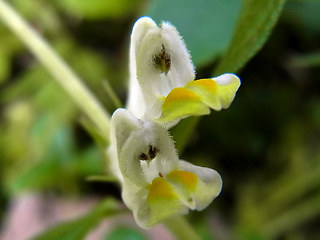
{"type": "Point", "coordinates": [133, 138]}
{"type": "Point", "coordinates": [122, 125]}
{"type": "Point", "coordinates": [149, 214]}
{"type": "Point", "coordinates": [209, 184]}
{"type": "Point", "coordinates": [231, 84]}
{"type": "Point", "coordinates": [130, 194]}
{"type": "Point", "coordinates": [226, 79]}
{"type": "Point", "coordinates": [143, 25]}
{"type": "Point", "coordinates": [150, 43]}
{"type": "Point", "coordinates": [182, 69]}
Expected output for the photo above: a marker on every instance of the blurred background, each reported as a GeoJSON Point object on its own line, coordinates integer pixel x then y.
{"type": "Point", "coordinates": [266, 146]}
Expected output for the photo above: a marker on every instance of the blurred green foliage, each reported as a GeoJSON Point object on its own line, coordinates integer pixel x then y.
{"type": "Point", "coordinates": [253, 28]}
{"type": "Point", "coordinates": [78, 229]}
{"type": "Point", "coordinates": [266, 146]}
{"type": "Point", "coordinates": [125, 233]}
{"type": "Point", "coordinates": [206, 25]}
{"type": "Point", "coordinates": [99, 9]}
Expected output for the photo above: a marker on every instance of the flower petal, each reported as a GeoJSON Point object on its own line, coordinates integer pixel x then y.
{"type": "Point", "coordinates": [144, 149]}
{"type": "Point", "coordinates": [184, 184]}
{"type": "Point", "coordinates": [121, 125]}
{"type": "Point", "coordinates": [187, 187]}
{"type": "Point", "coordinates": [124, 130]}
{"type": "Point", "coordinates": [217, 93]}
{"type": "Point", "coordinates": [208, 187]}
{"type": "Point", "coordinates": [160, 203]}
{"type": "Point", "coordinates": [159, 62]}
{"type": "Point", "coordinates": [198, 96]}
{"type": "Point", "coordinates": [182, 102]}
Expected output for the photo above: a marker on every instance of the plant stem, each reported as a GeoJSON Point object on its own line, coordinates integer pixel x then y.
{"type": "Point", "coordinates": [181, 229]}
{"type": "Point", "coordinates": [64, 76]}
{"type": "Point", "coordinates": [112, 95]}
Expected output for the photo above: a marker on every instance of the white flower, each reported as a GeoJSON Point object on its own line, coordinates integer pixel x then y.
{"type": "Point", "coordinates": [155, 184]}
{"type": "Point", "coordinates": [162, 86]}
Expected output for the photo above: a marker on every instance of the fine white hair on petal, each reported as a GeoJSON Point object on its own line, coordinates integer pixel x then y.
{"type": "Point", "coordinates": [159, 62]}
{"type": "Point", "coordinates": [121, 124]}
{"type": "Point", "coordinates": [141, 27]}
{"type": "Point", "coordinates": [133, 137]}
{"type": "Point", "coordinates": [182, 66]}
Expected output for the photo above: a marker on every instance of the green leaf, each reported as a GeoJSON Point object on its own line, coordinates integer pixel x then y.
{"type": "Point", "coordinates": [78, 228]}
{"type": "Point", "coordinates": [254, 26]}
{"type": "Point", "coordinates": [61, 157]}
{"type": "Point", "coordinates": [59, 152]}
{"type": "Point", "coordinates": [206, 25]}
{"type": "Point", "coordinates": [98, 9]}
{"type": "Point", "coordinates": [125, 233]}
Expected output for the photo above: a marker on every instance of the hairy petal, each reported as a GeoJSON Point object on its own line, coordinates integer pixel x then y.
{"type": "Point", "coordinates": [159, 62]}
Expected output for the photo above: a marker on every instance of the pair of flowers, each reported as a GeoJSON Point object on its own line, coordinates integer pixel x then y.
{"type": "Point", "coordinates": [156, 184]}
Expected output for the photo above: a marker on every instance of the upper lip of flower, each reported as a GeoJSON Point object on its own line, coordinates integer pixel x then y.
{"type": "Point", "coordinates": [159, 62]}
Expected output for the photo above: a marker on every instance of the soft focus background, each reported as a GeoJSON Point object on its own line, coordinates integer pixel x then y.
{"type": "Point", "coordinates": [266, 146]}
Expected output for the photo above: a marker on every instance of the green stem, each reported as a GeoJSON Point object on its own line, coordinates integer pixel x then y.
{"type": "Point", "coordinates": [67, 79]}
{"type": "Point", "coordinates": [181, 229]}
{"type": "Point", "coordinates": [112, 95]}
